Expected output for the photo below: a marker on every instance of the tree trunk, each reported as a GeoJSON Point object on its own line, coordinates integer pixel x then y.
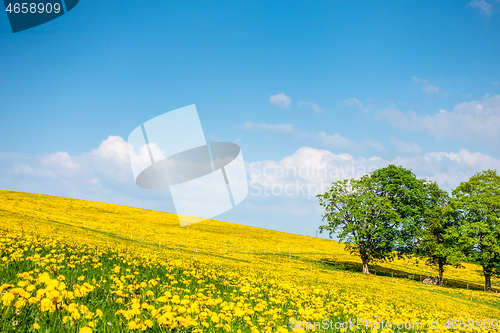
{"type": "Point", "coordinates": [365, 258]}
{"type": "Point", "coordinates": [487, 281]}
{"type": "Point", "coordinates": [441, 271]}
{"type": "Point", "coordinates": [365, 267]}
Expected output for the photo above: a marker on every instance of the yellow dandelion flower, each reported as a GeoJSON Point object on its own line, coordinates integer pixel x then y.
{"type": "Point", "coordinates": [7, 298]}
{"type": "Point", "coordinates": [132, 325]}
{"type": "Point", "coordinates": [47, 305]}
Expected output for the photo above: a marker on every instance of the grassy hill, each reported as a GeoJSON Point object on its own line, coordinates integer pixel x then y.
{"type": "Point", "coordinates": [80, 266]}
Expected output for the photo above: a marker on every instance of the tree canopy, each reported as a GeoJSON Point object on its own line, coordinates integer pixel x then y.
{"type": "Point", "coordinates": [438, 240]}
{"type": "Point", "coordinates": [391, 212]}
{"type": "Point", "coordinates": [476, 206]}
{"type": "Point", "coordinates": [407, 196]}
{"type": "Point", "coordinates": [371, 214]}
{"type": "Point", "coordinates": [364, 221]}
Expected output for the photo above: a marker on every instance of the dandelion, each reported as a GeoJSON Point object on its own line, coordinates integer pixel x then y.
{"type": "Point", "coordinates": [136, 287]}
{"type": "Point", "coordinates": [85, 329]}
{"type": "Point", "coordinates": [7, 298]}
{"type": "Point", "coordinates": [47, 305]}
{"type": "Point", "coordinates": [132, 325]}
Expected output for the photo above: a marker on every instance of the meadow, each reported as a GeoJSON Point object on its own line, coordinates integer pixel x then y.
{"type": "Point", "coordinates": [68, 265]}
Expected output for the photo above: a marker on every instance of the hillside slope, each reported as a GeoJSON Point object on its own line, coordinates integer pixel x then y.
{"type": "Point", "coordinates": [68, 264]}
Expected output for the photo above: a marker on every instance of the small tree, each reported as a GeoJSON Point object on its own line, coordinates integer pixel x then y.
{"type": "Point", "coordinates": [365, 221]}
{"type": "Point", "coordinates": [438, 242]}
{"type": "Point", "coordinates": [477, 208]}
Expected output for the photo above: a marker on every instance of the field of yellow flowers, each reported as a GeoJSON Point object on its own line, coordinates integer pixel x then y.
{"type": "Point", "coordinates": [68, 265]}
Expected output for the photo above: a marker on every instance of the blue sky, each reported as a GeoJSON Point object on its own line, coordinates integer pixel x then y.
{"type": "Point", "coordinates": [327, 84]}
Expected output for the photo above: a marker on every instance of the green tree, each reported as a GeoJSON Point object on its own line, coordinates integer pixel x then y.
{"type": "Point", "coordinates": [365, 221]}
{"type": "Point", "coordinates": [438, 242]}
{"type": "Point", "coordinates": [477, 208]}
{"type": "Point", "coordinates": [407, 195]}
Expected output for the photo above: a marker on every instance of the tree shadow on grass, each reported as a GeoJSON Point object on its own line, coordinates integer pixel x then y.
{"type": "Point", "coordinates": [356, 267]}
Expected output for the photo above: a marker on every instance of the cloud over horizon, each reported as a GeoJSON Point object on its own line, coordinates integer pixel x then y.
{"type": "Point", "coordinates": [311, 169]}
{"type": "Point", "coordinates": [104, 174]}
{"type": "Point", "coordinates": [467, 121]}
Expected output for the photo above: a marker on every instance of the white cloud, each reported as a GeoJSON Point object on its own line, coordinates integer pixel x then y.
{"type": "Point", "coordinates": [353, 102]}
{"type": "Point", "coordinates": [110, 161]}
{"type": "Point", "coordinates": [60, 161]}
{"type": "Point", "coordinates": [332, 140]}
{"type": "Point", "coordinates": [25, 169]}
{"type": "Point", "coordinates": [376, 146]}
{"type": "Point", "coordinates": [468, 121]}
{"type": "Point", "coordinates": [307, 172]}
{"type": "Point", "coordinates": [335, 140]}
{"type": "Point", "coordinates": [484, 7]}
{"type": "Point", "coordinates": [449, 169]}
{"type": "Point", "coordinates": [104, 174]}
{"type": "Point", "coordinates": [113, 148]}
{"type": "Point", "coordinates": [310, 171]}
{"type": "Point", "coordinates": [58, 164]}
{"type": "Point", "coordinates": [280, 100]}
{"type": "Point", "coordinates": [426, 86]}
{"type": "Point", "coordinates": [11, 156]}
{"type": "Point", "coordinates": [311, 105]}
{"type": "Point", "coordinates": [406, 148]}
{"type": "Point", "coordinates": [281, 128]}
